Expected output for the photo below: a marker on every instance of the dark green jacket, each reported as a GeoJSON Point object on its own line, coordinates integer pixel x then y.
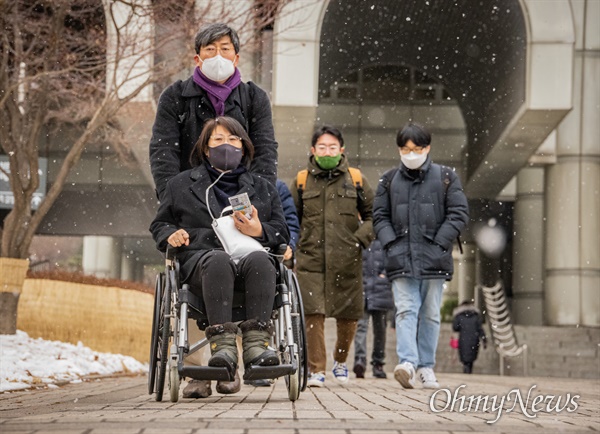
{"type": "Point", "coordinates": [329, 251]}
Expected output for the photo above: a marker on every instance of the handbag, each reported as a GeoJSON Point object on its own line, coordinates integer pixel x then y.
{"type": "Point", "coordinates": [235, 243]}
{"type": "Point", "coordinates": [453, 342]}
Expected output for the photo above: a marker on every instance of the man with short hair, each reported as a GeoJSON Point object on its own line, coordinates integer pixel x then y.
{"type": "Point", "coordinates": [419, 210]}
{"type": "Point", "coordinates": [335, 212]}
{"type": "Point", "coordinates": [214, 89]}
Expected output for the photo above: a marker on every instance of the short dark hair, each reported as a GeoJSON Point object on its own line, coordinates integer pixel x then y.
{"type": "Point", "coordinates": [414, 132]}
{"type": "Point", "coordinates": [198, 155]}
{"type": "Point", "coordinates": [209, 33]}
{"type": "Point", "coordinates": [327, 129]}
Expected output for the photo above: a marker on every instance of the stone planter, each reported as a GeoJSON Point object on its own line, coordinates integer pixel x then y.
{"type": "Point", "coordinates": [12, 275]}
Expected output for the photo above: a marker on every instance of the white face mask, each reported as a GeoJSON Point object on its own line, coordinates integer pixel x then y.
{"type": "Point", "coordinates": [217, 68]}
{"type": "Point", "coordinates": [412, 160]}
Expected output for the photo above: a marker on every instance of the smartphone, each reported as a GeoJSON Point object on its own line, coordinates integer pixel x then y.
{"type": "Point", "coordinates": [241, 202]}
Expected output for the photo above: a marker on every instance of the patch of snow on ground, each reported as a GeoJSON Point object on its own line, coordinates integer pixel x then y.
{"type": "Point", "coordinates": [27, 362]}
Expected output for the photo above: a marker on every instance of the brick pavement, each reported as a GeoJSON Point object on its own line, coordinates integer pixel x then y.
{"type": "Point", "coordinates": [121, 405]}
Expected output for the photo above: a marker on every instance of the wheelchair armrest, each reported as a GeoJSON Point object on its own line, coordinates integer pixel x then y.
{"type": "Point", "coordinates": [280, 250]}
{"type": "Point", "coordinates": [171, 252]}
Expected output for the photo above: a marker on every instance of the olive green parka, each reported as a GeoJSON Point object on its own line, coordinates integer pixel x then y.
{"type": "Point", "coordinates": [332, 236]}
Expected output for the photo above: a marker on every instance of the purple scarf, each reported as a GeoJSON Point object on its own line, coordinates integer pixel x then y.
{"type": "Point", "coordinates": [217, 92]}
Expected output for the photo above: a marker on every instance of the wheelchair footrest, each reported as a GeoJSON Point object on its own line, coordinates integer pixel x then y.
{"type": "Point", "coordinates": [205, 373]}
{"type": "Point", "coordinates": [266, 372]}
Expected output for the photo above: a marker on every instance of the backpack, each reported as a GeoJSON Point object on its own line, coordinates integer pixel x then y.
{"type": "Point", "coordinates": [357, 181]}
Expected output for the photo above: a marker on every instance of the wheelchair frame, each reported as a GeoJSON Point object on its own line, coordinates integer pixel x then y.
{"type": "Point", "coordinates": [169, 345]}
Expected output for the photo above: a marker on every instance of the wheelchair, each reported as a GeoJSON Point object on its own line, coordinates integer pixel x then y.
{"type": "Point", "coordinates": [169, 346]}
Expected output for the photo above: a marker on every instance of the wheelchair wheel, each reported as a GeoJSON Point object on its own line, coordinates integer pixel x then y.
{"type": "Point", "coordinates": [299, 328]}
{"type": "Point", "coordinates": [163, 342]}
{"type": "Point", "coordinates": [174, 382]}
{"type": "Point", "coordinates": [297, 382]}
{"type": "Point", "coordinates": [154, 355]}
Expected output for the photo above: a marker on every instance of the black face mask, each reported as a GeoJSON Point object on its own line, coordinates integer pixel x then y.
{"type": "Point", "coordinates": [225, 157]}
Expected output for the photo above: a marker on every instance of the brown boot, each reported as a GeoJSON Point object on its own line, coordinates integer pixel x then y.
{"type": "Point", "coordinates": [197, 389]}
{"type": "Point", "coordinates": [229, 387]}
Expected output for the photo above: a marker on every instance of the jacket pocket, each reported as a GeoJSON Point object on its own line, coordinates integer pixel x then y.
{"type": "Point", "coordinates": [347, 201]}
{"type": "Point", "coordinates": [435, 257]}
{"type": "Point", "coordinates": [396, 256]}
{"type": "Point", "coordinates": [311, 203]}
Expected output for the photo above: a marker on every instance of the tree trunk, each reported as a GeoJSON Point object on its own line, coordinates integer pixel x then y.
{"type": "Point", "coordinates": [12, 275]}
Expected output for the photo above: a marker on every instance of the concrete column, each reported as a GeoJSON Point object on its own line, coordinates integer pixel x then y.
{"type": "Point", "coordinates": [573, 191]}
{"type": "Point", "coordinates": [528, 247]}
{"type": "Point", "coordinates": [464, 272]}
{"type": "Point", "coordinates": [294, 127]}
{"type": "Point", "coordinates": [102, 256]}
{"type": "Point", "coordinates": [128, 267]}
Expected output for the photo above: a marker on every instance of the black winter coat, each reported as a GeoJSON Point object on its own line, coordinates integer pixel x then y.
{"type": "Point", "coordinates": [468, 322]}
{"type": "Point", "coordinates": [417, 217]}
{"type": "Point", "coordinates": [184, 207]}
{"type": "Point", "coordinates": [376, 286]}
{"type": "Point", "coordinates": [182, 110]}
{"type": "Point", "coordinates": [289, 209]}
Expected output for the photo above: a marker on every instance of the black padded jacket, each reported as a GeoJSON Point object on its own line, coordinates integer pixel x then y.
{"type": "Point", "coordinates": [416, 217]}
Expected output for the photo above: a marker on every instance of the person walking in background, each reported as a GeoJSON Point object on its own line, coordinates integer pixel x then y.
{"type": "Point", "coordinates": [291, 218]}
{"type": "Point", "coordinates": [468, 322]}
{"type": "Point", "coordinates": [334, 203]}
{"type": "Point", "coordinates": [419, 210]}
{"type": "Point", "coordinates": [378, 302]}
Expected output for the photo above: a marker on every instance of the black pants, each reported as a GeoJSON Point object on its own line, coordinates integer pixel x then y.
{"type": "Point", "coordinates": [467, 367]}
{"type": "Point", "coordinates": [216, 276]}
{"type": "Point", "coordinates": [360, 339]}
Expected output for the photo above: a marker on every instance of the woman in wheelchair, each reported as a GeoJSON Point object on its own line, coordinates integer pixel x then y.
{"type": "Point", "coordinates": [223, 154]}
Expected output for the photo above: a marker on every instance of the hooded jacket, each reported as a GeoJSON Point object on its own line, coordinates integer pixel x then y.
{"type": "Point", "coordinates": [468, 322]}
{"type": "Point", "coordinates": [417, 218]}
{"type": "Point", "coordinates": [184, 207]}
{"type": "Point", "coordinates": [182, 110]}
{"type": "Point", "coordinates": [377, 287]}
{"type": "Point", "coordinates": [329, 251]}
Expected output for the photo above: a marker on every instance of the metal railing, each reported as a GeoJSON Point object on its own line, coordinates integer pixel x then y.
{"type": "Point", "coordinates": [501, 326]}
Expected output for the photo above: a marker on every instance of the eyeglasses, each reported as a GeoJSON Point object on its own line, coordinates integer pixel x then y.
{"type": "Point", "coordinates": [211, 50]}
{"type": "Point", "coordinates": [325, 148]}
{"type": "Point", "coordinates": [417, 149]}
{"type": "Point", "coordinates": [219, 139]}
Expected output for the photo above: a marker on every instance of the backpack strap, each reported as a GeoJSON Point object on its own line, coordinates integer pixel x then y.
{"type": "Point", "coordinates": [301, 180]}
{"type": "Point", "coordinates": [445, 176]}
{"type": "Point", "coordinates": [356, 177]}
{"type": "Point", "coordinates": [182, 117]}
{"type": "Point", "coordinates": [357, 181]}
{"type": "Point", "coordinates": [244, 90]}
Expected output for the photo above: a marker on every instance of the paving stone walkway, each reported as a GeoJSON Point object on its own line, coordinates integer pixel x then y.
{"type": "Point", "coordinates": [122, 406]}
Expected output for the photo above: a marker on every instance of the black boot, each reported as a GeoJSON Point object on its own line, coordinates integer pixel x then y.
{"type": "Point", "coordinates": [378, 371]}
{"type": "Point", "coordinates": [256, 337]}
{"type": "Point", "coordinates": [223, 348]}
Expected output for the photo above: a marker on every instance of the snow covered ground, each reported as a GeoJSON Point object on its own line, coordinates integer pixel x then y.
{"type": "Point", "coordinates": [27, 362]}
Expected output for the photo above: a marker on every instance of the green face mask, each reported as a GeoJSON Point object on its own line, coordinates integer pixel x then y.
{"type": "Point", "coordinates": [328, 163]}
